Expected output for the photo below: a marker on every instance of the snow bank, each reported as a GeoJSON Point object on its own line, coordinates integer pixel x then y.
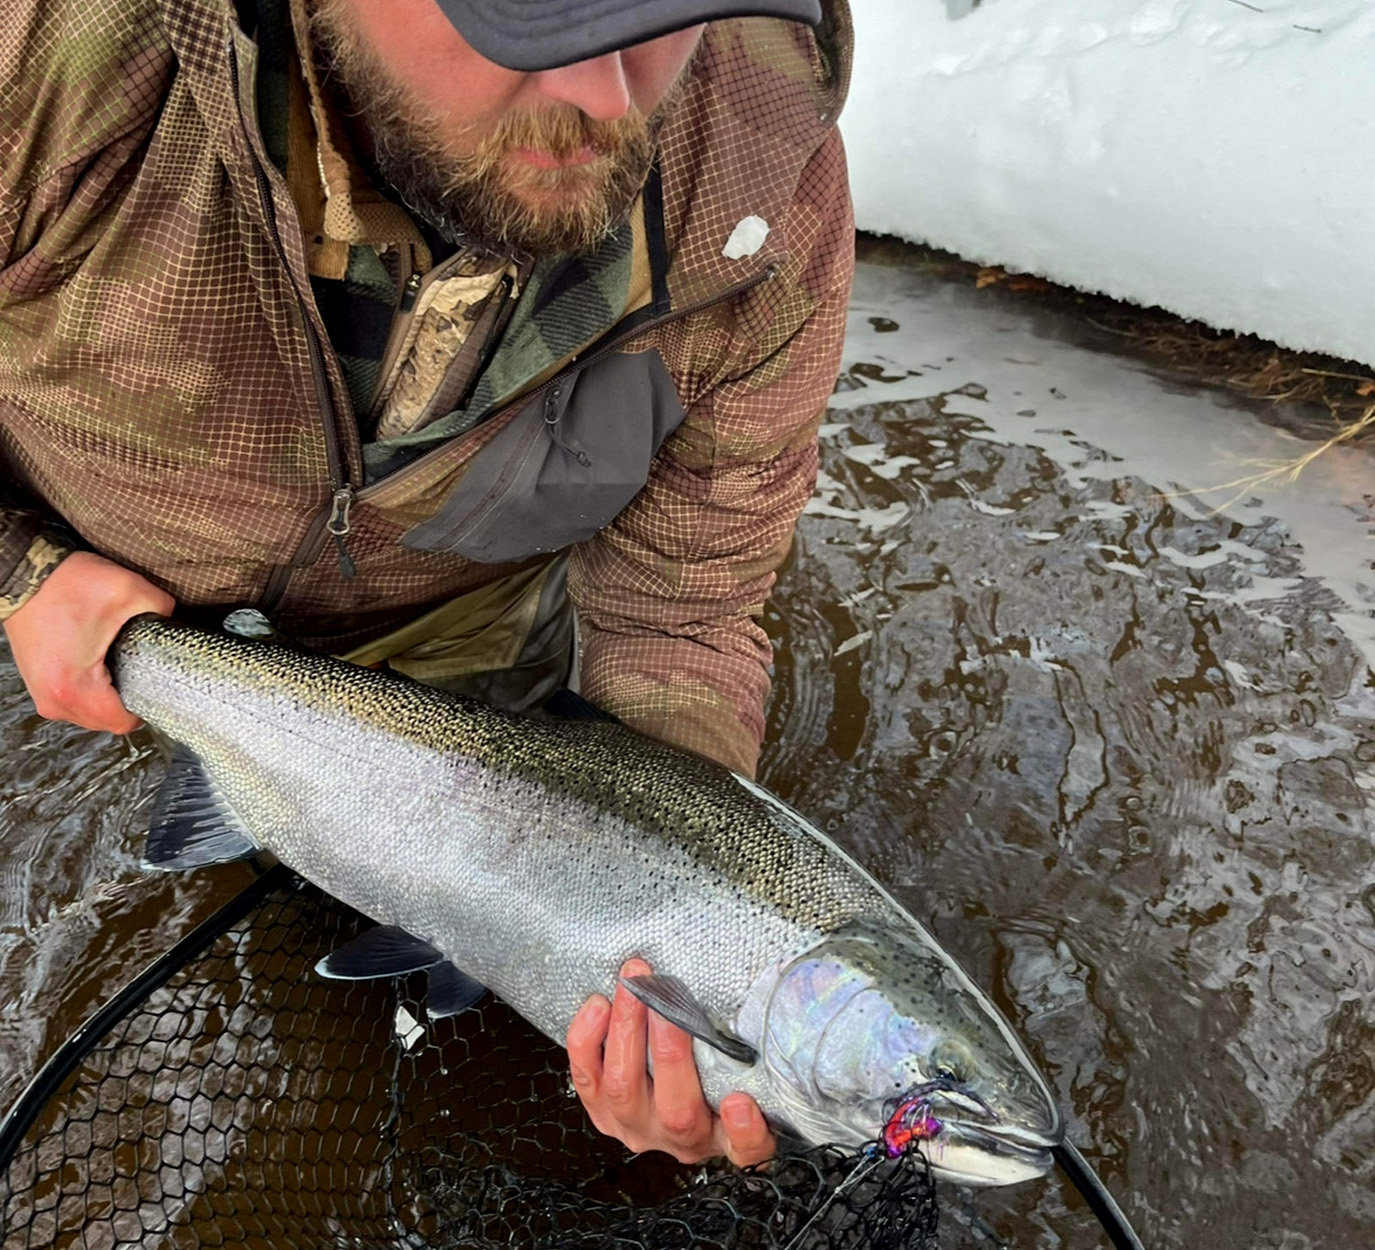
{"type": "Point", "coordinates": [1211, 156]}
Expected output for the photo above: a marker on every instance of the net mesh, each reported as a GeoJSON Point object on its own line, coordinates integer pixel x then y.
{"type": "Point", "coordinates": [247, 1102]}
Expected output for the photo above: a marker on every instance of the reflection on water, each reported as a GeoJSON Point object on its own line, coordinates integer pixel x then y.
{"type": "Point", "coordinates": [1113, 747]}
{"type": "Point", "coordinates": [78, 916]}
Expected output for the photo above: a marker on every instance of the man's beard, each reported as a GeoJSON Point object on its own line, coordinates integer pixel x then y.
{"type": "Point", "coordinates": [477, 196]}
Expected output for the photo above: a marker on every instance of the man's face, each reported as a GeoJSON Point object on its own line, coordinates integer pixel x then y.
{"type": "Point", "coordinates": [545, 162]}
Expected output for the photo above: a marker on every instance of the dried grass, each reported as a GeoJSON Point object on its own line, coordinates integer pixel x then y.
{"type": "Point", "coordinates": [1287, 470]}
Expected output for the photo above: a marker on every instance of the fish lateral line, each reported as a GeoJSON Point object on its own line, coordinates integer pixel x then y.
{"type": "Point", "coordinates": [723, 843]}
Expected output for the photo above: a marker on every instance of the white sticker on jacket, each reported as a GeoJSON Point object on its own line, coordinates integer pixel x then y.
{"type": "Point", "coordinates": [746, 239]}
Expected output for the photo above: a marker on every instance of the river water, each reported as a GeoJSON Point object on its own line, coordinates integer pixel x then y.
{"type": "Point", "coordinates": [1103, 721]}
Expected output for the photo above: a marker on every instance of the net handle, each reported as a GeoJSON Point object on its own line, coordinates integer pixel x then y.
{"type": "Point", "coordinates": [67, 1057]}
{"type": "Point", "coordinates": [1095, 1193]}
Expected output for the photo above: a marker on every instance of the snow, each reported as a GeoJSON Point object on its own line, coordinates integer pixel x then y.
{"type": "Point", "coordinates": [1215, 157]}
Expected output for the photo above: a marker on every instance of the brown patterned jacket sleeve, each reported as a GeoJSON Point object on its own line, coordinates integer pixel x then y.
{"type": "Point", "coordinates": [64, 129]}
{"type": "Point", "coordinates": [672, 593]}
{"type": "Point", "coordinates": [28, 553]}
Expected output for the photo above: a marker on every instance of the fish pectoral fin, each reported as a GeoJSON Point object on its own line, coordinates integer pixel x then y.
{"type": "Point", "coordinates": [451, 991]}
{"type": "Point", "coordinates": [193, 823]}
{"type": "Point", "coordinates": [672, 999]}
{"type": "Point", "coordinates": [386, 951]}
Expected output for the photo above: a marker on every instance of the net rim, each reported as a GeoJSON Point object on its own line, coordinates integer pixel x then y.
{"type": "Point", "coordinates": [21, 1116]}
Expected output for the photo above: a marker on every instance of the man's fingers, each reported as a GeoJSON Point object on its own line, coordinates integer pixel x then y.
{"type": "Point", "coordinates": [59, 638]}
{"type": "Point", "coordinates": [610, 1048]}
{"type": "Point", "coordinates": [88, 699]}
{"type": "Point", "coordinates": [682, 1110]}
{"type": "Point", "coordinates": [586, 1034]}
{"type": "Point", "coordinates": [748, 1139]}
{"type": "Point", "coordinates": [625, 1079]}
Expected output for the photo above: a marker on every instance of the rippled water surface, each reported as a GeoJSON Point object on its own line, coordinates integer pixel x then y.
{"type": "Point", "coordinates": [1108, 731]}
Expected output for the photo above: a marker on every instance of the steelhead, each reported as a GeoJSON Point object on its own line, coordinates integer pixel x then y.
{"type": "Point", "coordinates": [534, 856]}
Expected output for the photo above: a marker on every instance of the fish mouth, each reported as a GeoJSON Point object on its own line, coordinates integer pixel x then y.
{"type": "Point", "coordinates": [965, 1140]}
{"type": "Point", "coordinates": [971, 1154]}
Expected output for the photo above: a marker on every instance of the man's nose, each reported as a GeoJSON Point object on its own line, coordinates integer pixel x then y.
{"type": "Point", "coordinates": [598, 86]}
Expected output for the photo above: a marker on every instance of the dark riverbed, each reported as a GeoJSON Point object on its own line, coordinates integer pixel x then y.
{"type": "Point", "coordinates": [1113, 746]}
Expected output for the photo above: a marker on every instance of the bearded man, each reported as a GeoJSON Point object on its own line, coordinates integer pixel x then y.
{"type": "Point", "coordinates": [422, 325]}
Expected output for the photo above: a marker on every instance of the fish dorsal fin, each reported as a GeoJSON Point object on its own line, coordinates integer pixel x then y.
{"type": "Point", "coordinates": [451, 991]}
{"type": "Point", "coordinates": [674, 1001]}
{"type": "Point", "coordinates": [192, 823]}
{"type": "Point", "coordinates": [386, 951]}
{"type": "Point", "coordinates": [569, 705]}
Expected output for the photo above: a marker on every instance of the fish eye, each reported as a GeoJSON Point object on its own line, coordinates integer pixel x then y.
{"type": "Point", "coordinates": [953, 1061]}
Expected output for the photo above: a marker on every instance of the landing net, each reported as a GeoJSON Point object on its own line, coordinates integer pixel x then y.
{"type": "Point", "coordinates": [231, 1097]}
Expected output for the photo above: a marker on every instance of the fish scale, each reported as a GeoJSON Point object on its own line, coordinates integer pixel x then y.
{"type": "Point", "coordinates": [538, 854]}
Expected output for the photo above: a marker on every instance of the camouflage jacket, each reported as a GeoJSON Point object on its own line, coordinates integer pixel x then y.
{"type": "Point", "coordinates": [167, 390]}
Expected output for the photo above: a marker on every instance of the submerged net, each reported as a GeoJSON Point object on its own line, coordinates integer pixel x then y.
{"type": "Point", "coordinates": [236, 1099]}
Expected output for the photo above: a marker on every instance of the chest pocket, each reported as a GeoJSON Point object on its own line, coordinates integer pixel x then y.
{"type": "Point", "coordinates": [569, 461]}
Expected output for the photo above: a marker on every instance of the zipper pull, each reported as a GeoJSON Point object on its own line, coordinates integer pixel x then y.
{"type": "Point", "coordinates": [409, 292]}
{"type": "Point", "coordinates": [339, 525]}
{"type": "Point", "coordinates": [551, 420]}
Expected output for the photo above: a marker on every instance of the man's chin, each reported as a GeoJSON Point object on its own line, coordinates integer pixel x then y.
{"type": "Point", "coordinates": [548, 226]}
{"type": "Point", "coordinates": [560, 211]}
{"type": "Point", "coordinates": [558, 192]}
{"type": "Point", "coordinates": [519, 207]}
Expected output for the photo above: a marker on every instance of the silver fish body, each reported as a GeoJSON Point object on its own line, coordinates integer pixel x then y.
{"type": "Point", "coordinates": [538, 855]}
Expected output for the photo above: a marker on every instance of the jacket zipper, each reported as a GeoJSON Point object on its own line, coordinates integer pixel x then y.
{"type": "Point", "coordinates": [397, 335]}
{"type": "Point", "coordinates": [549, 389]}
{"type": "Point", "coordinates": [400, 335]}
{"type": "Point", "coordinates": [336, 519]}
{"type": "Point", "coordinates": [400, 330]}
{"type": "Point", "coordinates": [505, 308]}
{"type": "Point", "coordinates": [338, 526]}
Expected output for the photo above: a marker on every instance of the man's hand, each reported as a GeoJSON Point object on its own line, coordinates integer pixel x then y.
{"type": "Point", "coordinates": [60, 637]}
{"type": "Point", "coordinates": [607, 1047]}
